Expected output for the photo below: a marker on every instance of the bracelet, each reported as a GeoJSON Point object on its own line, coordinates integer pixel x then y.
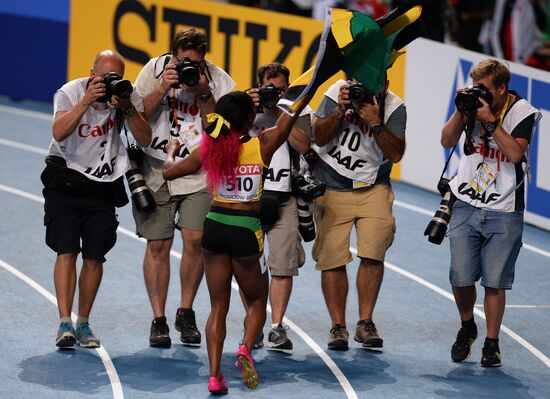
{"type": "Point", "coordinates": [129, 112]}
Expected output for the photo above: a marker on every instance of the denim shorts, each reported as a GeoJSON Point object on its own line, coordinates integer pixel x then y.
{"type": "Point", "coordinates": [484, 244]}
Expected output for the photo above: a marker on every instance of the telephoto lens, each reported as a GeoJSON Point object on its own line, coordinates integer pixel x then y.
{"type": "Point", "coordinates": [141, 196]}
{"type": "Point", "coordinates": [306, 226]}
{"type": "Point", "coordinates": [437, 227]}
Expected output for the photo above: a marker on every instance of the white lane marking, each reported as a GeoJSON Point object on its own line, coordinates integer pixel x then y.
{"type": "Point", "coordinates": [348, 389]}
{"type": "Point", "coordinates": [102, 352]}
{"type": "Point", "coordinates": [26, 113]}
{"type": "Point", "coordinates": [21, 146]}
{"type": "Point", "coordinates": [522, 306]}
{"type": "Point", "coordinates": [400, 204]}
{"type": "Point", "coordinates": [537, 353]}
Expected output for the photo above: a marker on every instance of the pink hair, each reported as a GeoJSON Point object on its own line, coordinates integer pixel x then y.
{"type": "Point", "coordinates": [220, 157]}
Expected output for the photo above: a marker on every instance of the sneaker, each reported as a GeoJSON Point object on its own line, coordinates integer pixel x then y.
{"type": "Point", "coordinates": [187, 326]}
{"type": "Point", "coordinates": [85, 337]}
{"type": "Point", "coordinates": [217, 387]}
{"type": "Point", "coordinates": [460, 352]}
{"type": "Point", "coordinates": [278, 339]}
{"type": "Point", "coordinates": [338, 338]}
{"type": "Point", "coordinates": [65, 336]}
{"type": "Point", "coordinates": [160, 333]}
{"type": "Point", "coordinates": [490, 354]}
{"type": "Point", "coordinates": [259, 344]}
{"type": "Point", "coordinates": [367, 334]}
{"type": "Point", "coordinates": [246, 363]}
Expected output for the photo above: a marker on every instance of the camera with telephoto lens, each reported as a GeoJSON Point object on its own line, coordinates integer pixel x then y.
{"type": "Point", "coordinates": [306, 187]}
{"type": "Point", "coordinates": [306, 226]}
{"type": "Point", "coordinates": [189, 72]}
{"type": "Point", "coordinates": [437, 227]}
{"type": "Point", "coordinates": [141, 196]}
{"type": "Point", "coordinates": [269, 97]}
{"type": "Point", "coordinates": [115, 86]}
{"type": "Point", "coordinates": [359, 93]}
{"type": "Point", "coordinates": [467, 100]}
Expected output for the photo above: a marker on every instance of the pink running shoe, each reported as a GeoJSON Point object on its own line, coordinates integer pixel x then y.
{"type": "Point", "coordinates": [217, 387]}
{"type": "Point", "coordinates": [246, 363]}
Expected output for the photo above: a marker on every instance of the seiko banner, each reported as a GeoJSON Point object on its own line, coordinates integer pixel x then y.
{"type": "Point", "coordinates": [433, 74]}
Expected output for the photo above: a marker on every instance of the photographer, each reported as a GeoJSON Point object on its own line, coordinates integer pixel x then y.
{"type": "Point", "coordinates": [83, 184]}
{"type": "Point", "coordinates": [487, 217]}
{"type": "Point", "coordinates": [179, 89]}
{"type": "Point", "coordinates": [286, 253]}
{"type": "Point", "coordinates": [358, 135]}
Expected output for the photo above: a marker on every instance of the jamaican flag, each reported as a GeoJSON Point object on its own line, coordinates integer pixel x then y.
{"type": "Point", "coordinates": [358, 45]}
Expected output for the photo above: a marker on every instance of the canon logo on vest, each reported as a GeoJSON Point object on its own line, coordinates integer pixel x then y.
{"type": "Point", "coordinates": [86, 130]}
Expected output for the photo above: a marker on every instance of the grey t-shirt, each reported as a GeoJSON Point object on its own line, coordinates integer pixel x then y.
{"type": "Point", "coordinates": [396, 123]}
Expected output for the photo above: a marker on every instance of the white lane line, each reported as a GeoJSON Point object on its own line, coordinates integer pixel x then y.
{"type": "Point", "coordinates": [522, 306]}
{"type": "Point", "coordinates": [404, 205]}
{"type": "Point", "coordinates": [21, 146]}
{"type": "Point", "coordinates": [102, 352]}
{"type": "Point", "coordinates": [537, 353]}
{"type": "Point", "coordinates": [26, 113]}
{"type": "Point", "coordinates": [344, 382]}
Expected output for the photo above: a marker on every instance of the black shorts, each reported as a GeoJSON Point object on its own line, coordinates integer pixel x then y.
{"type": "Point", "coordinates": [71, 219]}
{"type": "Point", "coordinates": [232, 231]}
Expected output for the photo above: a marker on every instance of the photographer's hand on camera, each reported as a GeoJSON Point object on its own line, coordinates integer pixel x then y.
{"type": "Point", "coordinates": [370, 113]}
{"type": "Point", "coordinates": [254, 95]}
{"type": "Point", "coordinates": [96, 89]}
{"type": "Point", "coordinates": [485, 114]}
{"type": "Point", "coordinates": [169, 77]}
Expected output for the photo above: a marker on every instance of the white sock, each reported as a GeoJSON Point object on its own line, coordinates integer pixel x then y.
{"type": "Point", "coordinates": [66, 320]}
{"type": "Point", "coordinates": [80, 320]}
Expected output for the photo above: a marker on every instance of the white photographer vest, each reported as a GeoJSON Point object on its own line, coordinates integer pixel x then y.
{"type": "Point", "coordinates": [354, 153]}
{"type": "Point", "coordinates": [94, 148]}
{"type": "Point", "coordinates": [501, 194]}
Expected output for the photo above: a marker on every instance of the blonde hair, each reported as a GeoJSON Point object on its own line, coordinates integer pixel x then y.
{"type": "Point", "coordinates": [498, 71]}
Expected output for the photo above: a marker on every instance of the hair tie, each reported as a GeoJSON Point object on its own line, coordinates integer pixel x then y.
{"type": "Point", "coordinates": [220, 122]}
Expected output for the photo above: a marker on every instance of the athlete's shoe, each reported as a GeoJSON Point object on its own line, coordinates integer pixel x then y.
{"type": "Point", "coordinates": [490, 354]}
{"type": "Point", "coordinates": [217, 387]}
{"type": "Point", "coordinates": [65, 336]}
{"type": "Point", "coordinates": [187, 326]}
{"type": "Point", "coordinates": [460, 351]}
{"type": "Point", "coordinates": [85, 337]}
{"type": "Point", "coordinates": [246, 363]}
{"type": "Point", "coordinates": [278, 338]}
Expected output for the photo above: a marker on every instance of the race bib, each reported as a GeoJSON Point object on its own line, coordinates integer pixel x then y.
{"type": "Point", "coordinates": [190, 136]}
{"type": "Point", "coordinates": [246, 186]}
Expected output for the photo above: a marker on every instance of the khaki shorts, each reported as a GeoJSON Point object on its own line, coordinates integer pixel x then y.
{"type": "Point", "coordinates": [191, 210]}
{"type": "Point", "coordinates": [337, 212]}
{"type": "Point", "coordinates": [286, 253]}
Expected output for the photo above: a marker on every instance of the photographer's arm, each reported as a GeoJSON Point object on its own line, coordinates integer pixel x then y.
{"type": "Point", "coordinates": [65, 122]}
{"type": "Point", "coordinates": [299, 140]}
{"type": "Point", "coordinates": [152, 101]}
{"type": "Point", "coordinates": [392, 146]}
{"type": "Point", "coordinates": [450, 134]}
{"type": "Point", "coordinates": [173, 169]}
{"type": "Point", "coordinates": [140, 128]}
{"type": "Point", "coordinates": [327, 128]}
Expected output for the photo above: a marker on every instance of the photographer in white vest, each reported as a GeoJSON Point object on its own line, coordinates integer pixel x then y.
{"type": "Point", "coordinates": [279, 209]}
{"type": "Point", "coordinates": [178, 89]}
{"type": "Point", "coordinates": [83, 183]}
{"type": "Point", "coordinates": [486, 224]}
{"type": "Point", "coordinates": [358, 135]}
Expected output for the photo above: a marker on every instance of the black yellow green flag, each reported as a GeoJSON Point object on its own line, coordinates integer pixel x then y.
{"type": "Point", "coordinates": [358, 45]}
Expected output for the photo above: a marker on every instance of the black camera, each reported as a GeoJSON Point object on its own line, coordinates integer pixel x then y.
{"type": "Point", "coordinates": [141, 196]}
{"type": "Point", "coordinates": [467, 100]}
{"type": "Point", "coordinates": [359, 93]}
{"type": "Point", "coordinates": [306, 225]}
{"type": "Point", "coordinates": [269, 97]}
{"type": "Point", "coordinates": [306, 187]}
{"type": "Point", "coordinates": [437, 227]}
{"type": "Point", "coordinates": [189, 72]}
{"type": "Point", "coordinates": [115, 86]}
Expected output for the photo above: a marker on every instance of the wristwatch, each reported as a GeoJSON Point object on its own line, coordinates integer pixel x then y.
{"type": "Point", "coordinates": [129, 112]}
{"type": "Point", "coordinates": [490, 127]}
{"type": "Point", "coordinates": [205, 97]}
{"type": "Point", "coordinates": [375, 129]}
